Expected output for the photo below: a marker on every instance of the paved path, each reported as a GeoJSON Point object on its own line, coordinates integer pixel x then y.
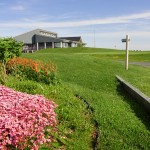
{"type": "Point", "coordinates": [146, 64]}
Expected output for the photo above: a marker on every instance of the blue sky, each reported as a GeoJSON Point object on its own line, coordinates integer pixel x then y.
{"type": "Point", "coordinates": [101, 23]}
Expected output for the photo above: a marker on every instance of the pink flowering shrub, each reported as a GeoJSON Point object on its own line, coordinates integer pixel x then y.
{"type": "Point", "coordinates": [24, 119]}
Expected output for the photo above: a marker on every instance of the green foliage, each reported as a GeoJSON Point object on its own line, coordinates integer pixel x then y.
{"type": "Point", "coordinates": [25, 86]}
{"type": "Point", "coordinates": [81, 45]}
{"type": "Point", "coordinates": [9, 48]}
{"type": "Point", "coordinates": [3, 76]}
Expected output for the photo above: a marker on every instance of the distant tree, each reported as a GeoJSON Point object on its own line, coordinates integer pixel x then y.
{"type": "Point", "coordinates": [81, 45]}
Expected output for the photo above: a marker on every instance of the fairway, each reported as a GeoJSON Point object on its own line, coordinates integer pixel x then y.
{"type": "Point", "coordinates": [90, 73]}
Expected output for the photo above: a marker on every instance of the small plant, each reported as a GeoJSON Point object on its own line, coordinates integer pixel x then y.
{"type": "Point", "coordinates": [32, 70]}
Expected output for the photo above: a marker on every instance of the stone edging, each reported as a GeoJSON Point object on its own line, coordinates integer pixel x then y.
{"type": "Point", "coordinates": [135, 93]}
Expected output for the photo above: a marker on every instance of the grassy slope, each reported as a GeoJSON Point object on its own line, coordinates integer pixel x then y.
{"type": "Point", "coordinates": [75, 124]}
{"type": "Point", "coordinates": [123, 123]}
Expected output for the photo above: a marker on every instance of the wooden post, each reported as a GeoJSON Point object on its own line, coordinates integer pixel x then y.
{"type": "Point", "coordinates": [53, 44]}
{"type": "Point", "coordinates": [61, 44]}
{"type": "Point", "coordinates": [94, 38]}
{"type": "Point", "coordinates": [45, 45]}
{"type": "Point", "coordinates": [127, 52]}
{"type": "Point", "coordinates": [37, 46]}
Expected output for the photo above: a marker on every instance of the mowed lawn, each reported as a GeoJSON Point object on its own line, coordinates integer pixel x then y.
{"type": "Point", "coordinates": [123, 123]}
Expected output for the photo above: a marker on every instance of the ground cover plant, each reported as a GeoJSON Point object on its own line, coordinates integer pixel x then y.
{"type": "Point", "coordinates": [123, 122]}
{"type": "Point", "coordinates": [24, 119]}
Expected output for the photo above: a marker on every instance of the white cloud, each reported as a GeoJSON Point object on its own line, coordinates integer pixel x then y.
{"type": "Point", "coordinates": [112, 20]}
{"type": "Point", "coordinates": [119, 34]}
{"type": "Point", "coordinates": [36, 18]}
{"type": "Point", "coordinates": [18, 8]}
{"type": "Point", "coordinates": [136, 16]}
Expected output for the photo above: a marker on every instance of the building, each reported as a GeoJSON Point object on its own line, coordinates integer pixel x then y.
{"type": "Point", "coordinates": [40, 39]}
{"type": "Point", "coordinates": [74, 41]}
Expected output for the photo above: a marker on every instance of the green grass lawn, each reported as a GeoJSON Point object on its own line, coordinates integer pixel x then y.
{"type": "Point", "coordinates": [133, 56]}
{"type": "Point", "coordinates": [91, 74]}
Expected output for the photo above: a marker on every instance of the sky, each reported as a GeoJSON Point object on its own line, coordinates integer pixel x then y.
{"type": "Point", "coordinates": [100, 23]}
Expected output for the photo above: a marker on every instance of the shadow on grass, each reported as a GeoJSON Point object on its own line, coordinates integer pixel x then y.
{"type": "Point", "coordinates": [136, 106]}
{"type": "Point", "coordinates": [96, 133]}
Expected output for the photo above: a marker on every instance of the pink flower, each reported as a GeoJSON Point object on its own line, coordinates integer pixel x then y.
{"type": "Point", "coordinates": [24, 117]}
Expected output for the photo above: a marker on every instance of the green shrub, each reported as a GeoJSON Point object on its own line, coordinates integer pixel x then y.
{"type": "Point", "coordinates": [9, 48]}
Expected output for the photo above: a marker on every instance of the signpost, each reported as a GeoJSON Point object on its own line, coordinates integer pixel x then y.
{"type": "Point", "coordinates": [127, 51]}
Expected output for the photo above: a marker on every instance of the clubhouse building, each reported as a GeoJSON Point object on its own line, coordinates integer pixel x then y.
{"type": "Point", "coordinates": [42, 39]}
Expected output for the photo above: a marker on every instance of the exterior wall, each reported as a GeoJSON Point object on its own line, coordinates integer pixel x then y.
{"type": "Point", "coordinates": [65, 44]}
{"type": "Point", "coordinates": [73, 44]}
{"type": "Point", "coordinates": [59, 45]}
{"type": "Point", "coordinates": [25, 38]}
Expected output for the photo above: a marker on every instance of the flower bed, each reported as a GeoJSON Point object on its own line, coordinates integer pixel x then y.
{"type": "Point", "coordinates": [32, 70]}
{"type": "Point", "coordinates": [24, 119]}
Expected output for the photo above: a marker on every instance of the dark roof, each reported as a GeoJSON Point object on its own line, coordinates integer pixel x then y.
{"type": "Point", "coordinates": [77, 38]}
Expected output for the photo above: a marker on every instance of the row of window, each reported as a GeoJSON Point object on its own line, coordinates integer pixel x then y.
{"type": "Point", "coordinates": [48, 34]}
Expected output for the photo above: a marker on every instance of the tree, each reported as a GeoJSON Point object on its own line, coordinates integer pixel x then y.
{"type": "Point", "coordinates": [9, 48]}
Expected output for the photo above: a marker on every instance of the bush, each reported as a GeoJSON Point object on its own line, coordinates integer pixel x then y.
{"type": "Point", "coordinates": [24, 120]}
{"type": "Point", "coordinates": [9, 48]}
{"type": "Point", "coordinates": [32, 70]}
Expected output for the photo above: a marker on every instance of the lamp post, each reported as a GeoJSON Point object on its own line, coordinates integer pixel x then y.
{"type": "Point", "coordinates": [126, 40]}
{"type": "Point", "coordinates": [94, 38]}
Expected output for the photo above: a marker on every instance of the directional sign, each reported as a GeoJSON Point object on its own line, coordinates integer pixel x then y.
{"type": "Point", "coordinates": [124, 40]}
